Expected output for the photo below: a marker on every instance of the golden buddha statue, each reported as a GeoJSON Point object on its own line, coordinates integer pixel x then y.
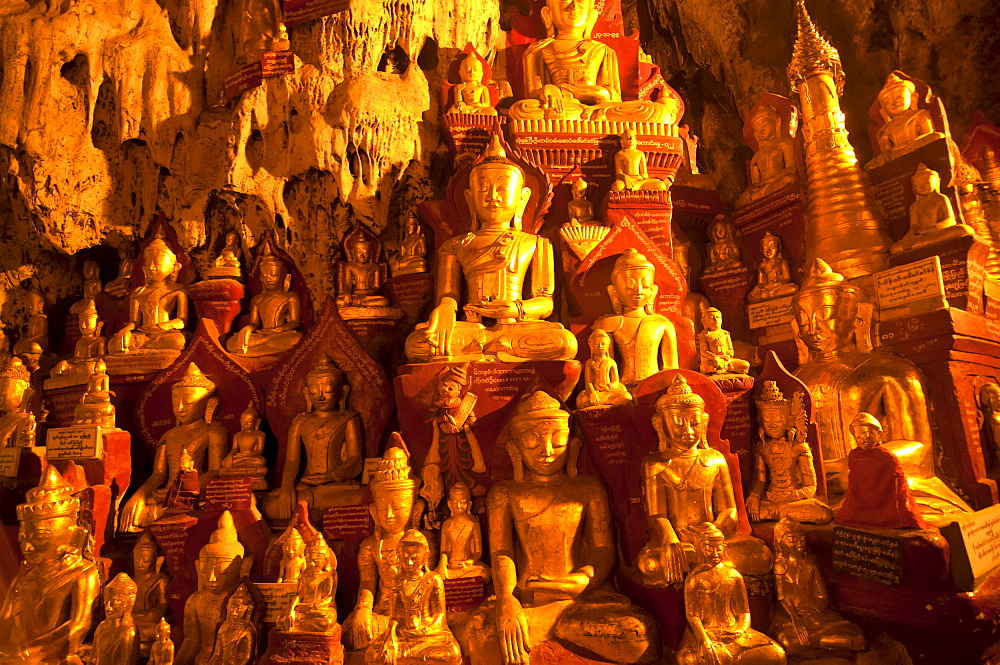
{"type": "Point", "coordinates": [631, 170]}
{"type": "Point", "coordinates": [718, 611]}
{"type": "Point", "coordinates": [570, 76]}
{"type": "Point", "coordinates": [312, 609]}
{"type": "Point", "coordinates": [151, 590]}
{"type": "Point", "coordinates": [553, 550]}
{"type": "Point", "coordinates": [227, 264]}
{"type": "Point", "coordinates": [329, 436]}
{"type": "Point", "coordinates": [695, 304]}
{"type": "Point", "coordinates": [412, 257]}
{"type": "Point", "coordinates": [723, 251]}
{"type": "Point", "coordinates": [774, 274]}
{"type": "Point", "coordinates": [394, 494]}
{"type": "Point", "coordinates": [600, 376]}
{"type": "Point", "coordinates": [773, 165]}
{"type": "Point", "coordinates": [907, 126]}
{"type": "Point", "coordinates": [293, 556]}
{"type": "Point", "coordinates": [116, 640]}
{"type": "Point", "coordinates": [247, 455]}
{"type": "Point", "coordinates": [932, 219]}
{"type": "Point", "coordinates": [36, 330]}
{"type": "Point", "coordinates": [359, 280]}
{"type": "Point", "coordinates": [162, 651]}
{"type": "Point", "coordinates": [493, 262]}
{"type": "Point", "coordinates": [48, 608]}
{"type": "Point", "coordinates": [88, 348]}
{"type": "Point", "coordinates": [91, 286]}
{"type": "Point", "coordinates": [274, 313]}
{"type": "Point", "coordinates": [803, 617]}
{"type": "Point", "coordinates": [472, 95]}
{"type": "Point", "coordinates": [686, 483]}
{"type": "Point", "coordinates": [158, 309]}
{"type": "Point", "coordinates": [784, 477]}
{"type": "Point", "coordinates": [17, 424]}
{"type": "Point", "coordinates": [236, 641]}
{"type": "Point", "coordinates": [219, 568]}
{"type": "Point", "coordinates": [715, 347]}
{"type": "Point", "coordinates": [646, 342]}
{"type": "Point", "coordinates": [194, 402]}
{"type": "Point", "coordinates": [581, 210]}
{"type": "Point", "coordinates": [418, 631]}
{"type": "Point", "coordinates": [95, 407]}
{"type": "Point", "coordinates": [461, 538]}
{"type": "Point", "coordinates": [118, 288]}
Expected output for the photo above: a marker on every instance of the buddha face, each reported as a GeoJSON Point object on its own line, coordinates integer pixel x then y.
{"type": "Point", "coordinates": [764, 127]}
{"type": "Point", "coordinates": [239, 606]}
{"type": "Point", "coordinates": [230, 238]}
{"type": "Point", "coordinates": [91, 269]}
{"type": "Point", "coordinates": [324, 391]}
{"type": "Point", "coordinates": [248, 421]}
{"type": "Point", "coordinates": [826, 319]}
{"type": "Point", "coordinates": [719, 232]}
{"type": "Point", "coordinates": [272, 275]}
{"type": "Point", "coordinates": [162, 631]}
{"type": "Point", "coordinates": [629, 141]}
{"type": "Point", "coordinates": [774, 419]}
{"type": "Point", "coordinates": [143, 559]}
{"type": "Point", "coordinates": [459, 502]}
{"type": "Point", "coordinates": [794, 541]}
{"type": "Point", "coordinates": [472, 69]}
{"type": "Point", "coordinates": [542, 445]}
{"type": "Point", "coordinates": [293, 544]}
{"type": "Point", "coordinates": [363, 252]}
{"type": "Point", "coordinates": [87, 323]}
{"type": "Point", "coordinates": [989, 397]}
{"type": "Point", "coordinates": [712, 320]}
{"type": "Point", "coordinates": [317, 557]}
{"type": "Point", "coordinates": [713, 550]}
{"type": "Point", "coordinates": [685, 424]}
{"type": "Point", "coordinates": [599, 344]}
{"type": "Point", "coordinates": [393, 510]}
{"type": "Point", "coordinates": [35, 303]}
{"type": "Point", "coordinates": [867, 435]}
{"type": "Point", "coordinates": [189, 403]}
{"type": "Point", "coordinates": [568, 16]}
{"type": "Point", "coordinates": [45, 539]}
{"type": "Point", "coordinates": [158, 266]}
{"type": "Point", "coordinates": [497, 194]}
{"type": "Point", "coordinates": [12, 391]}
{"type": "Point", "coordinates": [412, 557]}
{"type": "Point", "coordinates": [896, 100]}
{"type": "Point", "coordinates": [219, 572]}
{"type": "Point", "coordinates": [925, 182]}
{"type": "Point", "coordinates": [118, 602]}
{"type": "Point", "coordinates": [635, 288]}
{"type": "Point", "coordinates": [769, 247]}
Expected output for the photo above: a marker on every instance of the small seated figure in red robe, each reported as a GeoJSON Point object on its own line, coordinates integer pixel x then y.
{"type": "Point", "coordinates": [877, 493]}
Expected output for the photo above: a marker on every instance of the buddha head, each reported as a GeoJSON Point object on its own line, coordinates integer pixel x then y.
{"type": "Point", "coordinates": [789, 540]}
{"type": "Point", "coordinates": [193, 397]}
{"type": "Point", "coordinates": [231, 239]}
{"type": "Point", "coordinates": [633, 283]}
{"type": "Point", "coordinates": [580, 189]}
{"type": "Point", "coordinates": [241, 605]}
{"type": "Point", "coordinates": [721, 230]}
{"type": "Point", "coordinates": [162, 632]}
{"type": "Point", "coordinates": [249, 419]}
{"type": "Point", "coordinates": [989, 397]}
{"type": "Point", "coordinates": [14, 381]}
{"type": "Point", "coordinates": [394, 490]}
{"type": "Point", "coordinates": [773, 410]}
{"type": "Point", "coordinates": [273, 273]}
{"type": "Point", "coordinates": [326, 386]}
{"type": "Point", "coordinates": [770, 245]}
{"type": "Point", "coordinates": [459, 499]}
{"type": "Point", "coordinates": [412, 224]}
{"type": "Point", "coordinates": [48, 520]}
{"type": "Point", "coordinates": [144, 554]}
{"type": "Point", "coordinates": [569, 19]}
{"type": "Point", "coordinates": [497, 193]}
{"type": "Point", "coordinates": [711, 319]}
{"type": "Point", "coordinates": [319, 556]}
{"type": "Point", "coordinates": [599, 343]}
{"type": "Point", "coordinates": [925, 181]}
{"type": "Point", "coordinates": [679, 417]}
{"type": "Point", "coordinates": [711, 543]}
{"type": "Point", "coordinates": [452, 381]}
{"type": "Point", "coordinates": [292, 546]}
{"type": "Point", "coordinates": [119, 597]}
{"type": "Point", "coordinates": [88, 322]}
{"type": "Point", "coordinates": [537, 437]}
{"type": "Point", "coordinates": [682, 258]}
{"type": "Point", "coordinates": [765, 123]}
{"type": "Point", "coordinates": [158, 261]}
{"type": "Point", "coordinates": [219, 561]}
{"type": "Point", "coordinates": [36, 303]}
{"type": "Point", "coordinates": [100, 367]}
{"type": "Point", "coordinates": [413, 553]}
{"type": "Point", "coordinates": [629, 140]}
{"type": "Point", "coordinates": [826, 311]}
{"type": "Point", "coordinates": [896, 96]}
{"type": "Point", "coordinates": [363, 250]}
{"type": "Point", "coordinates": [471, 69]}
{"type": "Point", "coordinates": [91, 269]}
{"type": "Point", "coordinates": [867, 431]}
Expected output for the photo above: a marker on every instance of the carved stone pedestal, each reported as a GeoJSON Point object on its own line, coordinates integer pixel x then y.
{"type": "Point", "coordinates": [771, 329]}
{"type": "Point", "coordinates": [962, 261]}
{"type": "Point", "coordinates": [218, 300]}
{"type": "Point", "coordinates": [303, 649]}
{"type": "Point", "coordinates": [650, 210]}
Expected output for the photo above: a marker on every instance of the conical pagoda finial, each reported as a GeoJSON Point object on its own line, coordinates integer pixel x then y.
{"type": "Point", "coordinates": [812, 53]}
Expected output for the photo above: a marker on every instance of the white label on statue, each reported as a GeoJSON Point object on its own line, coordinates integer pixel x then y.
{"type": "Point", "coordinates": [770, 312]}
{"type": "Point", "coordinates": [277, 599]}
{"type": "Point", "coordinates": [74, 442]}
{"type": "Point", "coordinates": [981, 533]}
{"type": "Point", "coordinates": [9, 458]}
{"type": "Point", "coordinates": [920, 280]}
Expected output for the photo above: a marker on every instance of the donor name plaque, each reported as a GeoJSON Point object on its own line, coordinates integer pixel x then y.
{"type": "Point", "coordinates": [870, 556]}
{"type": "Point", "coordinates": [74, 442]}
{"type": "Point", "coordinates": [917, 282]}
{"type": "Point", "coordinates": [770, 312]}
{"type": "Point", "coordinates": [975, 546]}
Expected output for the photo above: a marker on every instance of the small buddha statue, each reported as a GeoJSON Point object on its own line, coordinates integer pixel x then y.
{"type": "Point", "coordinates": [773, 164]}
{"type": "Point", "coordinates": [17, 423]}
{"type": "Point", "coordinates": [932, 219]}
{"type": "Point", "coordinates": [878, 495]}
{"type": "Point", "coordinates": [461, 538]}
{"type": "Point", "coordinates": [718, 611]}
{"type": "Point", "coordinates": [247, 455]}
{"type": "Point", "coordinates": [158, 309]}
{"type": "Point", "coordinates": [293, 556]}
{"type": "Point", "coordinates": [907, 126]}
{"type": "Point", "coordinates": [412, 257]}
{"type": "Point", "coordinates": [645, 342]}
{"type": "Point", "coordinates": [116, 640]}
{"type": "Point", "coordinates": [36, 330]}
{"type": "Point", "coordinates": [803, 618]}
{"type": "Point", "coordinates": [360, 277]}
{"type": "Point", "coordinates": [218, 565]}
{"type": "Point", "coordinates": [89, 347]}
{"type": "Point", "coordinates": [493, 262]}
{"type": "Point", "coordinates": [118, 288]}
{"type": "Point", "coordinates": [774, 274]}
{"type": "Point", "coordinates": [989, 404]}
{"type": "Point", "coordinates": [569, 75]}
{"type": "Point", "coordinates": [472, 95]}
{"type": "Point", "coordinates": [329, 436]}
{"type": "Point", "coordinates": [151, 591]}
{"type": "Point", "coordinates": [553, 550]}
{"type": "Point", "coordinates": [95, 407]}
{"type": "Point", "coordinates": [687, 482]}
{"type": "Point", "coordinates": [723, 251]}
{"type": "Point", "coordinates": [581, 210]}
{"type": "Point", "coordinates": [237, 639]}
{"type": "Point", "coordinates": [312, 609]}
{"type": "Point", "coordinates": [91, 286]}
{"type": "Point", "coordinates": [274, 313]}
{"type": "Point", "coordinates": [715, 347]}
{"type": "Point", "coordinates": [784, 478]}
{"type": "Point", "coordinates": [194, 402]}
{"type": "Point", "coordinates": [631, 171]}
{"type": "Point", "coordinates": [418, 629]}
{"type": "Point", "coordinates": [39, 629]}
{"type": "Point", "coordinates": [600, 376]}
{"type": "Point", "coordinates": [394, 494]}
{"type": "Point", "coordinates": [695, 304]}
{"type": "Point", "coordinates": [227, 264]}
{"type": "Point", "coordinates": [260, 29]}
{"type": "Point", "coordinates": [183, 495]}
{"type": "Point", "coordinates": [162, 651]}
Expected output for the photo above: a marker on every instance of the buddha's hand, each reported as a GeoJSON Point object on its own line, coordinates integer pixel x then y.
{"type": "Point", "coordinates": [572, 585]}
{"type": "Point", "coordinates": [673, 561]}
{"type": "Point", "coordinates": [497, 309]}
{"type": "Point", "coordinates": [552, 98]}
{"type": "Point", "coordinates": [132, 510]}
{"type": "Point", "coordinates": [753, 507]}
{"type": "Point", "coordinates": [440, 326]}
{"type": "Point", "coordinates": [709, 654]}
{"type": "Point", "coordinates": [285, 503]}
{"type": "Point", "coordinates": [513, 628]}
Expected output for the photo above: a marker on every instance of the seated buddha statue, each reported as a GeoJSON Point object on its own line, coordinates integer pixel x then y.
{"type": "Point", "coordinates": [774, 274]}
{"type": "Point", "coordinates": [162, 651]}
{"type": "Point", "coordinates": [412, 257]}
{"type": "Point", "coordinates": [194, 402]}
{"type": "Point", "coordinates": [48, 609]}
{"type": "Point", "coordinates": [274, 313]}
{"type": "Point", "coordinates": [844, 380]}
{"type": "Point", "coordinates": [151, 590]}
{"type": "Point", "coordinates": [312, 609]}
{"type": "Point", "coordinates": [493, 262]}
{"type": "Point", "coordinates": [907, 126]}
{"type": "Point", "coordinates": [88, 348]}
{"type": "Point", "coordinates": [247, 455]}
{"type": "Point", "coordinates": [116, 639]}
{"type": "Point", "coordinates": [600, 376]}
{"type": "Point", "coordinates": [580, 209]}
{"type": "Point", "coordinates": [723, 250]}
{"type": "Point", "coordinates": [773, 164]}
{"type": "Point", "coordinates": [631, 169]}
{"type": "Point", "coordinates": [158, 309]}
{"type": "Point", "coordinates": [932, 219]}
{"type": "Point", "coordinates": [645, 342]}
{"type": "Point", "coordinates": [461, 537]}
{"type": "Point", "coordinates": [715, 347]}
{"type": "Point", "coordinates": [552, 552]}
{"type": "Point", "coordinates": [685, 483]}
{"type": "Point", "coordinates": [36, 330]}
{"type": "Point", "coordinates": [95, 407]}
{"type": "Point", "coordinates": [236, 642]}
{"type": "Point", "coordinates": [472, 95]}
{"type": "Point", "coordinates": [17, 423]}
{"type": "Point", "coordinates": [360, 277]}
{"type": "Point", "coordinates": [227, 264]}
{"type": "Point", "coordinates": [569, 75]}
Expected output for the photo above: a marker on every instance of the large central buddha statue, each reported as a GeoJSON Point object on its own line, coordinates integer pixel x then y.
{"type": "Point", "coordinates": [570, 76]}
{"type": "Point", "coordinates": [493, 261]}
